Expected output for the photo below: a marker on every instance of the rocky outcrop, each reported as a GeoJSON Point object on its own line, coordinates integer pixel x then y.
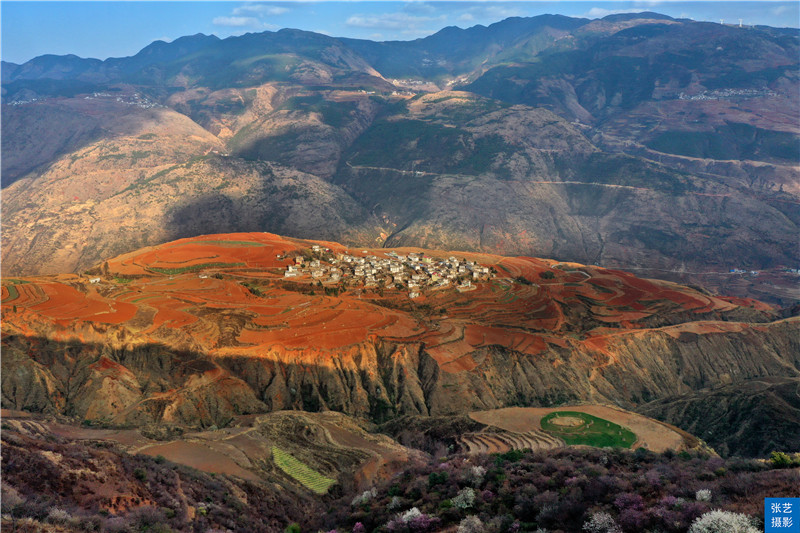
{"type": "Point", "coordinates": [138, 384]}
{"type": "Point", "coordinates": [752, 417]}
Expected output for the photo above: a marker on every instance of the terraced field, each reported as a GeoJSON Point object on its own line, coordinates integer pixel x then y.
{"type": "Point", "coordinates": [504, 441]}
{"type": "Point", "coordinates": [193, 289]}
{"type": "Point", "coordinates": [614, 427]}
{"type": "Point", "coordinates": [255, 448]}
{"type": "Point", "coordinates": [225, 296]}
{"type": "Point", "coordinates": [309, 477]}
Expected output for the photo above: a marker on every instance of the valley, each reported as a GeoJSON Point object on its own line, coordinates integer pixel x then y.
{"type": "Point", "coordinates": [536, 275]}
{"type": "Point", "coordinates": [677, 173]}
{"type": "Point", "coordinates": [199, 331]}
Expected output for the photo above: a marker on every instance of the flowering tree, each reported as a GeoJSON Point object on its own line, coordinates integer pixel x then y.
{"type": "Point", "coordinates": [723, 522]}
{"type": "Point", "coordinates": [601, 523]}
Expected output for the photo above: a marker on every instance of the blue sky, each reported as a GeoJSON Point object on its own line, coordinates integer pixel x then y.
{"type": "Point", "coordinates": [118, 29]}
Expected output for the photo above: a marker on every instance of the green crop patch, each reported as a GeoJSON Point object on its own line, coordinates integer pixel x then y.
{"type": "Point", "coordinates": [580, 428]}
{"type": "Point", "coordinates": [224, 244]}
{"type": "Point", "coordinates": [192, 268]}
{"type": "Point", "coordinates": [13, 293]}
{"type": "Point", "coordinates": [298, 470]}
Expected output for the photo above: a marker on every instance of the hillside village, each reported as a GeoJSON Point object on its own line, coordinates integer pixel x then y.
{"type": "Point", "coordinates": [413, 272]}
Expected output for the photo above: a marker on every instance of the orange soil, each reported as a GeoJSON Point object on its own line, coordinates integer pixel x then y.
{"type": "Point", "coordinates": [501, 311]}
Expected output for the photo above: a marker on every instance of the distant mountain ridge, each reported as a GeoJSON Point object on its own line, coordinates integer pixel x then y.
{"type": "Point", "coordinates": [636, 140]}
{"type": "Point", "coordinates": [450, 41]}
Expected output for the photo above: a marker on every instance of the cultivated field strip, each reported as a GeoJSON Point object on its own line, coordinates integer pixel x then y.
{"type": "Point", "coordinates": [503, 441]}
{"type": "Point", "coordinates": [187, 291]}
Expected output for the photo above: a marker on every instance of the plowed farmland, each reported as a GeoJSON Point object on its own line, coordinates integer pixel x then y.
{"type": "Point", "coordinates": [225, 294]}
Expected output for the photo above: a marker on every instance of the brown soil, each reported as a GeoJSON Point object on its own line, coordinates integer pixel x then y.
{"type": "Point", "coordinates": [651, 434]}
{"type": "Point", "coordinates": [199, 456]}
{"type": "Point", "coordinates": [567, 421]}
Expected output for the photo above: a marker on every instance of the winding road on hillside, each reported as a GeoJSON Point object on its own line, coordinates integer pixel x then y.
{"type": "Point", "coordinates": [420, 173]}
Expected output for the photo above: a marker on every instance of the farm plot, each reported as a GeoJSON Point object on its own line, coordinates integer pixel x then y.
{"type": "Point", "coordinates": [654, 435]}
{"type": "Point", "coordinates": [298, 470]}
{"type": "Point", "coordinates": [582, 428]}
{"type": "Point", "coordinates": [504, 441]}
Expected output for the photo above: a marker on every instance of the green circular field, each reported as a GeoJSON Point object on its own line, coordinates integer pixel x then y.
{"type": "Point", "coordinates": [579, 428]}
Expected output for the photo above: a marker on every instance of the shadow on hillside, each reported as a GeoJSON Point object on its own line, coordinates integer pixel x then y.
{"type": "Point", "coordinates": [207, 214]}
{"type": "Point", "coordinates": [72, 379]}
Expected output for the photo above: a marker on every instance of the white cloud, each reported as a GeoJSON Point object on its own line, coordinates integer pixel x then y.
{"type": "Point", "coordinates": [418, 7]}
{"type": "Point", "coordinates": [250, 16]}
{"type": "Point", "coordinates": [486, 13]}
{"type": "Point", "coordinates": [392, 21]}
{"type": "Point", "coordinates": [260, 9]}
{"type": "Point", "coordinates": [236, 22]}
{"type": "Point", "coordinates": [503, 12]}
{"type": "Point", "coordinates": [780, 10]}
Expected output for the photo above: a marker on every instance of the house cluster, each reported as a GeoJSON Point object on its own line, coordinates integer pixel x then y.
{"type": "Point", "coordinates": [414, 271]}
{"type": "Point", "coordinates": [23, 101]}
{"type": "Point", "coordinates": [724, 94]}
{"type": "Point", "coordinates": [740, 271]}
{"type": "Point", "coordinates": [135, 99]}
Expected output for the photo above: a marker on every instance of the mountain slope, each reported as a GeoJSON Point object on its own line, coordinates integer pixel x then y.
{"type": "Point", "coordinates": [201, 330]}
{"type": "Point", "coordinates": [753, 417]}
{"type": "Point", "coordinates": [637, 141]}
{"type": "Point", "coordinates": [454, 51]}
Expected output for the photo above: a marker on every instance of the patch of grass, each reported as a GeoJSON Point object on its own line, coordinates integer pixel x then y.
{"type": "Point", "coordinates": [138, 184]}
{"type": "Point", "coordinates": [147, 136]}
{"type": "Point", "coordinates": [504, 269]}
{"type": "Point", "coordinates": [192, 268]}
{"type": "Point", "coordinates": [195, 159]}
{"type": "Point", "coordinates": [149, 297]}
{"type": "Point", "coordinates": [334, 114]}
{"type": "Point", "coordinates": [594, 431]}
{"type": "Point", "coordinates": [110, 156]}
{"type": "Point", "coordinates": [13, 293]}
{"type": "Point", "coordinates": [253, 288]}
{"type": "Point", "coordinates": [136, 155]}
{"type": "Point", "coordinates": [228, 244]}
{"type": "Point", "coordinates": [122, 280]}
{"type": "Point", "coordinates": [434, 147]}
{"type": "Point", "coordinates": [298, 470]}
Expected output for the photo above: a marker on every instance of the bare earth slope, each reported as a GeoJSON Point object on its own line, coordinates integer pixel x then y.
{"type": "Point", "coordinates": [200, 330]}
{"type": "Point", "coordinates": [663, 146]}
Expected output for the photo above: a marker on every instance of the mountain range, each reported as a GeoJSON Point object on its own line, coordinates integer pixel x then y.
{"type": "Point", "coordinates": [540, 274]}
{"type": "Point", "coordinates": [636, 141]}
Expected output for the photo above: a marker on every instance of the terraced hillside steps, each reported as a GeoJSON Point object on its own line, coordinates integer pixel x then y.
{"type": "Point", "coordinates": [244, 340]}
{"type": "Point", "coordinates": [501, 442]}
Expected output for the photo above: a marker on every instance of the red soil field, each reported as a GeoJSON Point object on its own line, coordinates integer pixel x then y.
{"type": "Point", "coordinates": [212, 310]}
